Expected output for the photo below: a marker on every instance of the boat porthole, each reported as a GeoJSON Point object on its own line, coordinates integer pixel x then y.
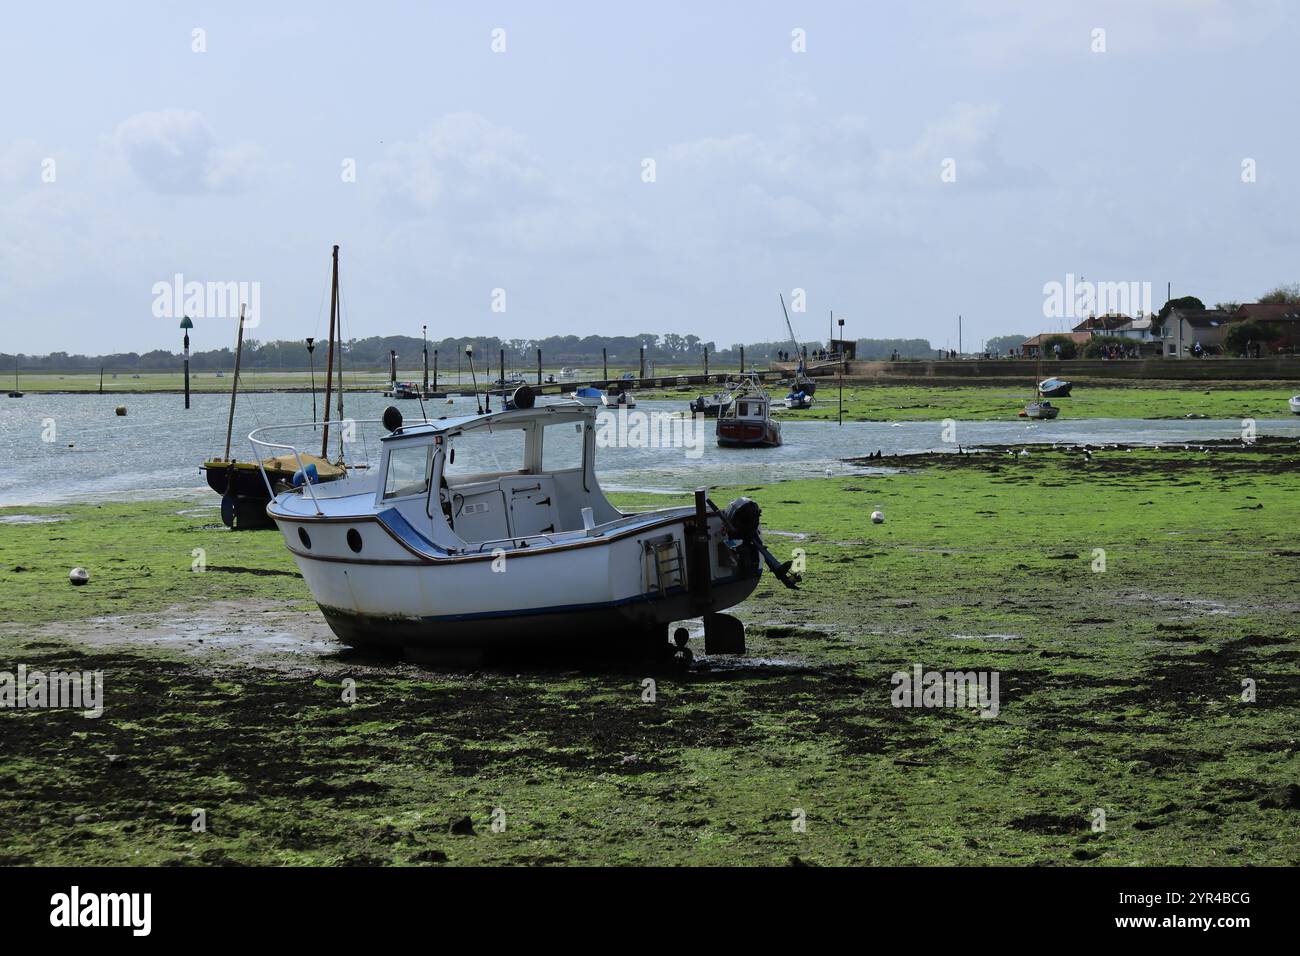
{"type": "Point", "coordinates": [354, 540]}
{"type": "Point", "coordinates": [304, 538]}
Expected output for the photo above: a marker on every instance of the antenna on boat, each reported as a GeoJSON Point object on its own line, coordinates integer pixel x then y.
{"type": "Point", "coordinates": [469, 354]}
{"type": "Point", "coordinates": [424, 339]}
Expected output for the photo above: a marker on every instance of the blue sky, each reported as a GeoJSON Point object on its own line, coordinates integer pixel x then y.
{"type": "Point", "coordinates": [523, 170]}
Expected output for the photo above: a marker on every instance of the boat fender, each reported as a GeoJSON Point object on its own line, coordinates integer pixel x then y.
{"type": "Point", "coordinates": [392, 418]}
{"type": "Point", "coordinates": [312, 477]}
{"type": "Point", "coordinates": [523, 397]}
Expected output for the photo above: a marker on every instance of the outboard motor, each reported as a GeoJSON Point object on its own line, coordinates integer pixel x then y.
{"type": "Point", "coordinates": [741, 519]}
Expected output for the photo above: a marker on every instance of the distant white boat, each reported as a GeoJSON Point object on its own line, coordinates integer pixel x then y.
{"type": "Point", "coordinates": [1295, 404]}
{"type": "Point", "coordinates": [617, 399]}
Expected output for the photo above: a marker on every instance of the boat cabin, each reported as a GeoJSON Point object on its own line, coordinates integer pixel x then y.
{"type": "Point", "coordinates": [749, 408]}
{"type": "Point", "coordinates": [508, 479]}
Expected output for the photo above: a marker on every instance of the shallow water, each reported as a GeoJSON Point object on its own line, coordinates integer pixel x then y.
{"type": "Point", "coordinates": [57, 448]}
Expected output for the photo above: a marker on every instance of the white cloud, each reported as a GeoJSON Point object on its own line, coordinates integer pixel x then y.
{"type": "Point", "coordinates": [463, 161]}
{"type": "Point", "coordinates": [174, 151]}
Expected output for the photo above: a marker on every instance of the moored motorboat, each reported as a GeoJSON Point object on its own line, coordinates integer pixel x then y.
{"type": "Point", "coordinates": [748, 422]}
{"type": "Point", "coordinates": [1054, 388]}
{"type": "Point", "coordinates": [403, 390]}
{"type": "Point", "coordinates": [710, 406]}
{"type": "Point", "coordinates": [491, 530]}
{"type": "Point", "coordinates": [586, 395]}
{"type": "Point", "coordinates": [618, 397]}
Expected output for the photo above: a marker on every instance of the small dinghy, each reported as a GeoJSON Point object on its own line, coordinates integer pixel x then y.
{"type": "Point", "coordinates": [1295, 404]}
{"type": "Point", "coordinates": [491, 531]}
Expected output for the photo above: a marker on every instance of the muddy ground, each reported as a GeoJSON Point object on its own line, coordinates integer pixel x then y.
{"type": "Point", "coordinates": [1122, 736]}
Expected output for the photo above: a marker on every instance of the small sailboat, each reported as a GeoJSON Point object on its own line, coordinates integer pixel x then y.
{"type": "Point", "coordinates": [801, 382]}
{"type": "Point", "coordinates": [748, 422]}
{"type": "Point", "coordinates": [15, 393]}
{"type": "Point", "coordinates": [409, 557]}
{"type": "Point", "coordinates": [1039, 407]}
{"type": "Point", "coordinates": [246, 486]}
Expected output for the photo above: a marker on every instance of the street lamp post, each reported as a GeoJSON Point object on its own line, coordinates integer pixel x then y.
{"type": "Point", "coordinates": [311, 361]}
{"type": "Point", "coordinates": [841, 323]}
{"type": "Point", "coordinates": [186, 324]}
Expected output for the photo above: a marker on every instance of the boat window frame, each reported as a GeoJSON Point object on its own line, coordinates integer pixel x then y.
{"type": "Point", "coordinates": [530, 458]}
{"type": "Point", "coordinates": [584, 427]}
{"type": "Point", "coordinates": [399, 448]}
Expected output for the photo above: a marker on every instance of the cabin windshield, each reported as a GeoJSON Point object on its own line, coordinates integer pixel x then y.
{"type": "Point", "coordinates": [486, 451]}
{"type": "Point", "coordinates": [408, 471]}
{"type": "Point", "coordinates": [562, 446]}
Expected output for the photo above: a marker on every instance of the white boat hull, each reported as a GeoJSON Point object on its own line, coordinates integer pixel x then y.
{"type": "Point", "coordinates": [591, 589]}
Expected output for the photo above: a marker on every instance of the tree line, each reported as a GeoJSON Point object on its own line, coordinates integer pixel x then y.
{"type": "Point", "coordinates": [372, 352]}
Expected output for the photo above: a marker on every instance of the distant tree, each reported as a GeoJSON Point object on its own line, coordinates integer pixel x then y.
{"type": "Point", "coordinates": [999, 344]}
{"type": "Point", "coordinates": [1285, 294]}
{"type": "Point", "coordinates": [1241, 334]}
{"type": "Point", "coordinates": [1228, 307]}
{"type": "Point", "coordinates": [1069, 349]}
{"type": "Point", "coordinates": [1100, 343]}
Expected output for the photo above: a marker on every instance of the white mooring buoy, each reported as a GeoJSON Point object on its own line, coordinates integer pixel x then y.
{"type": "Point", "coordinates": [877, 517]}
{"type": "Point", "coordinates": [79, 576]}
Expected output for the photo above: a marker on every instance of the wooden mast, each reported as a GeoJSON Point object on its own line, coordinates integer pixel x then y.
{"type": "Point", "coordinates": [329, 369]}
{"type": "Point", "coordinates": [234, 385]}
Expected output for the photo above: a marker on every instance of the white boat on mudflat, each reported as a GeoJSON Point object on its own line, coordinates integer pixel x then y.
{"type": "Point", "coordinates": [492, 530]}
{"type": "Point", "coordinates": [618, 398]}
{"type": "Point", "coordinates": [1295, 404]}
